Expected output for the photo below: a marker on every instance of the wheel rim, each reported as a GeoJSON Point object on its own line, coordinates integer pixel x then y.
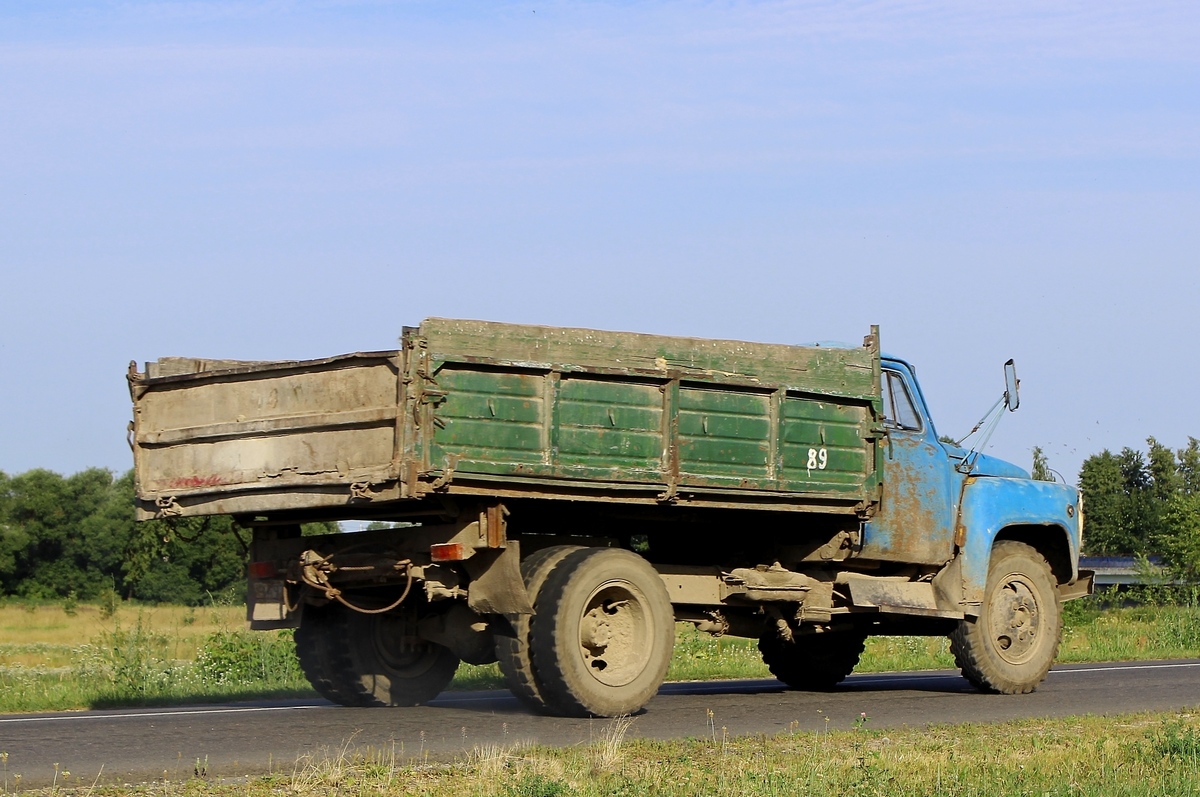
{"type": "Point", "coordinates": [615, 630]}
{"type": "Point", "coordinates": [1015, 619]}
{"type": "Point", "coordinates": [402, 653]}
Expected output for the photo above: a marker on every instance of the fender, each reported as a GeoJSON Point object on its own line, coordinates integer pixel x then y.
{"type": "Point", "coordinates": [1044, 514]}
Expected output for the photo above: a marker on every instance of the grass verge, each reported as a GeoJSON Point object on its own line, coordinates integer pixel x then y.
{"type": "Point", "coordinates": [1142, 755]}
{"type": "Point", "coordinates": [155, 655]}
{"type": "Point", "coordinates": [139, 656]}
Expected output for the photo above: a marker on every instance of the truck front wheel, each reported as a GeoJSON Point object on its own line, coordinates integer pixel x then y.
{"type": "Point", "coordinates": [1010, 646]}
{"type": "Point", "coordinates": [815, 662]}
{"type": "Point", "coordinates": [602, 638]}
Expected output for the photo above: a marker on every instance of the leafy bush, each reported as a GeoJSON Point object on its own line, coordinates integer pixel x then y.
{"type": "Point", "coordinates": [77, 535]}
{"type": "Point", "coordinates": [235, 657]}
{"type": "Point", "coordinates": [536, 785]}
{"type": "Point", "coordinates": [1178, 741]}
{"type": "Point", "coordinates": [70, 604]}
{"type": "Point", "coordinates": [1081, 611]}
{"type": "Point", "coordinates": [128, 665]}
{"type": "Point", "coordinates": [1179, 540]}
{"type": "Point", "coordinates": [1179, 630]}
{"type": "Point", "coordinates": [108, 603]}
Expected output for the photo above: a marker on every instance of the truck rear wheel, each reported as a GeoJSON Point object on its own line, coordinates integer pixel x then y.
{"type": "Point", "coordinates": [360, 659]}
{"type": "Point", "coordinates": [318, 650]}
{"type": "Point", "coordinates": [513, 652]}
{"type": "Point", "coordinates": [389, 664]}
{"type": "Point", "coordinates": [1011, 645]}
{"type": "Point", "coordinates": [815, 662]}
{"type": "Point", "coordinates": [602, 641]}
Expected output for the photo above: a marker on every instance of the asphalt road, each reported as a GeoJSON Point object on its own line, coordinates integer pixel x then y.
{"type": "Point", "coordinates": [144, 744]}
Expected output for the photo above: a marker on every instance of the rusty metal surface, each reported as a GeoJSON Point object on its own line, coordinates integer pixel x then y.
{"type": "Point", "coordinates": [915, 521]}
{"type": "Point", "coordinates": [343, 567]}
{"type": "Point", "coordinates": [898, 596]}
{"type": "Point", "coordinates": [1043, 513]}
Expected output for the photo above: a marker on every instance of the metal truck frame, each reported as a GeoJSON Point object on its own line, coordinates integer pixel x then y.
{"type": "Point", "coordinates": [556, 499]}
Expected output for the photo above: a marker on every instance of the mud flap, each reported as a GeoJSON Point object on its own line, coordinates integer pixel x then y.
{"type": "Point", "coordinates": [496, 584]}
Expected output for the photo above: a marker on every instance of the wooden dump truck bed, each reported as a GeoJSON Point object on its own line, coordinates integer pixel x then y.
{"type": "Point", "coordinates": [471, 407]}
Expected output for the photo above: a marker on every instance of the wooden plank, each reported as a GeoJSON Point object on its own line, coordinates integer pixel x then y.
{"type": "Point", "coordinates": [844, 372]}
{"type": "Point", "coordinates": [370, 416]}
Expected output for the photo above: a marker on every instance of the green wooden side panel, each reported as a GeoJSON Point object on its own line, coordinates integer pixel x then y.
{"type": "Point", "coordinates": [490, 417]}
{"type": "Point", "coordinates": [662, 413]}
{"type": "Point", "coordinates": [609, 423]}
{"type": "Point", "coordinates": [810, 427]}
{"type": "Point", "coordinates": [723, 433]}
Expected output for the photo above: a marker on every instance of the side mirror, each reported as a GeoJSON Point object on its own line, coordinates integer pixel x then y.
{"type": "Point", "coordinates": [1011, 383]}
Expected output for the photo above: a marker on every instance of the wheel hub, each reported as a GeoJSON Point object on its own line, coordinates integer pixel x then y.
{"type": "Point", "coordinates": [1015, 620]}
{"type": "Point", "coordinates": [400, 649]}
{"type": "Point", "coordinates": [613, 633]}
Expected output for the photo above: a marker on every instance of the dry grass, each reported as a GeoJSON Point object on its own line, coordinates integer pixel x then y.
{"type": "Point", "coordinates": [1144, 755]}
{"type": "Point", "coordinates": [1092, 757]}
{"type": "Point", "coordinates": [44, 636]}
{"type": "Point", "coordinates": [54, 659]}
{"type": "Point", "coordinates": [607, 754]}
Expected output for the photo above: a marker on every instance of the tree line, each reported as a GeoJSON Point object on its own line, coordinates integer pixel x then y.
{"type": "Point", "coordinates": [75, 536]}
{"type": "Point", "coordinates": [1145, 503]}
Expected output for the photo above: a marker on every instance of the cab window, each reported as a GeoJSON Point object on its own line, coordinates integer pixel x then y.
{"type": "Point", "coordinates": [899, 412]}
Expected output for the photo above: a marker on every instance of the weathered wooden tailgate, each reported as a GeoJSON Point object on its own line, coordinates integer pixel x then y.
{"type": "Point", "coordinates": [225, 437]}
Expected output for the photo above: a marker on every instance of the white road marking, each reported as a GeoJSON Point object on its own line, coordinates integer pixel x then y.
{"type": "Point", "coordinates": [878, 677]}
{"type": "Point", "coordinates": [705, 685]}
{"type": "Point", "coordinates": [1129, 667]}
{"type": "Point", "coordinates": [135, 714]}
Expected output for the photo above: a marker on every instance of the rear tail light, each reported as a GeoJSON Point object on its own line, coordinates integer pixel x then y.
{"type": "Point", "coordinates": [448, 552]}
{"type": "Point", "coordinates": [263, 570]}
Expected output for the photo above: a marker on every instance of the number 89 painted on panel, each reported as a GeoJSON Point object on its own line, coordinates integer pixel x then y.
{"type": "Point", "coordinates": [817, 459]}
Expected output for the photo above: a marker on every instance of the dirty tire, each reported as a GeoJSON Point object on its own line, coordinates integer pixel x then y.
{"type": "Point", "coordinates": [513, 652]}
{"type": "Point", "coordinates": [382, 662]}
{"type": "Point", "coordinates": [602, 641]}
{"type": "Point", "coordinates": [1010, 647]}
{"type": "Point", "coordinates": [318, 647]}
{"type": "Point", "coordinates": [813, 662]}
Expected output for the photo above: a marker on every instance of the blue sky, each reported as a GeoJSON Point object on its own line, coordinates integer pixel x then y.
{"type": "Point", "coordinates": [289, 180]}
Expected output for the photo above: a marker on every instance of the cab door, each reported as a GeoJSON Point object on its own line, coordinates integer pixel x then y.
{"type": "Point", "coordinates": [915, 521]}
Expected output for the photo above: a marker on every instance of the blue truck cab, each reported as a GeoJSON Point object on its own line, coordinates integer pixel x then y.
{"type": "Point", "coordinates": [1007, 545]}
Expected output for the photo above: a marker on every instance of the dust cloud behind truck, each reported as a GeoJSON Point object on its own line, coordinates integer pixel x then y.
{"type": "Point", "coordinates": [557, 499]}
